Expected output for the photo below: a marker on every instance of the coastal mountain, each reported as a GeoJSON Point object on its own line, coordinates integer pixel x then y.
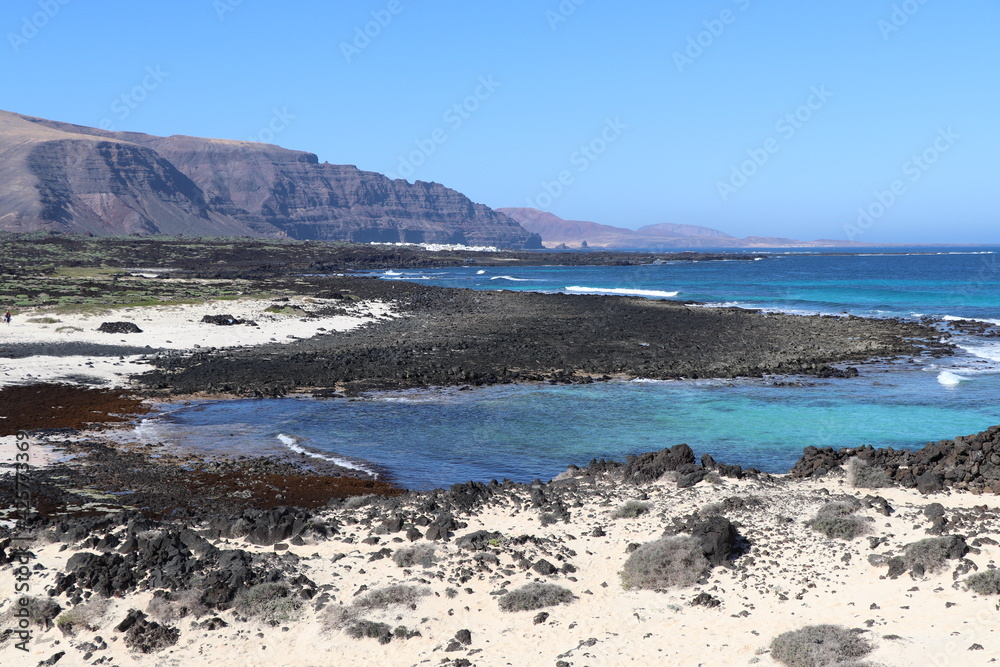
{"type": "Point", "coordinates": [554, 231]}
{"type": "Point", "coordinates": [83, 180]}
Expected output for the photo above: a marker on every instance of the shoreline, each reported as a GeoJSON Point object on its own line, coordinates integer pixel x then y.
{"type": "Point", "coordinates": [145, 555]}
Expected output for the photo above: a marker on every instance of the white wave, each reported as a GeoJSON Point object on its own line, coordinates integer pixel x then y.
{"type": "Point", "coordinates": [519, 280]}
{"type": "Point", "coordinates": [989, 352]}
{"type": "Point", "coordinates": [954, 318]}
{"type": "Point", "coordinates": [620, 291]}
{"type": "Point", "coordinates": [293, 444]}
{"type": "Point", "coordinates": [949, 379]}
{"type": "Point", "coordinates": [390, 272]}
{"type": "Point", "coordinates": [480, 272]}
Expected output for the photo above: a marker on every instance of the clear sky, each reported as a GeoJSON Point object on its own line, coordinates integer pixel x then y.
{"type": "Point", "coordinates": [780, 118]}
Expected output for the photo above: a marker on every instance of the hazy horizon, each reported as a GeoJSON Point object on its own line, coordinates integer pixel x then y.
{"type": "Point", "coordinates": [863, 121]}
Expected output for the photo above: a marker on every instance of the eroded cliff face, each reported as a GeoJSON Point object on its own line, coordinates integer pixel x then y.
{"type": "Point", "coordinates": [84, 180]}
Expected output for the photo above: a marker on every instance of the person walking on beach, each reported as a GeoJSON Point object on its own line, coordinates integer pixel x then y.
{"type": "Point", "coordinates": [6, 317]}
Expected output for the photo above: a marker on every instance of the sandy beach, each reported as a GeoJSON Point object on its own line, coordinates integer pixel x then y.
{"type": "Point", "coordinates": [790, 576]}
{"type": "Point", "coordinates": [51, 337]}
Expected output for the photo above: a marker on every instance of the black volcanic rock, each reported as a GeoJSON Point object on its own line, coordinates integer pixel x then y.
{"type": "Point", "coordinates": [63, 177]}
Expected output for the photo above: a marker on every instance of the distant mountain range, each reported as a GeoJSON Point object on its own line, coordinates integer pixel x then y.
{"type": "Point", "coordinates": [555, 231]}
{"type": "Point", "coordinates": [81, 180]}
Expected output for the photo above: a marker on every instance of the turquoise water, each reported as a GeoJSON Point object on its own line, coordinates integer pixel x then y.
{"type": "Point", "coordinates": [435, 438]}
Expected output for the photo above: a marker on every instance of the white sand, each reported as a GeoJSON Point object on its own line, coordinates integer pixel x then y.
{"type": "Point", "coordinates": [174, 327]}
{"type": "Point", "coordinates": [792, 577]}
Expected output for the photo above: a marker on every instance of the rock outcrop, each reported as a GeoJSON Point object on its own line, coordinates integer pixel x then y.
{"type": "Point", "coordinates": [970, 462]}
{"type": "Point", "coordinates": [83, 180]}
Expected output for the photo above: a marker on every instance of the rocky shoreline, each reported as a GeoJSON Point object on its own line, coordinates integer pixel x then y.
{"type": "Point", "coordinates": [447, 337]}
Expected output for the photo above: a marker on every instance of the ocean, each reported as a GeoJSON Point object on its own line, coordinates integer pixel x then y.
{"type": "Point", "coordinates": [437, 437]}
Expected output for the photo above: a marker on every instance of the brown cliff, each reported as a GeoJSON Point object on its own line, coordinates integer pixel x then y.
{"type": "Point", "coordinates": [75, 179]}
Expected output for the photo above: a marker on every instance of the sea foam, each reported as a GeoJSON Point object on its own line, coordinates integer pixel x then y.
{"type": "Point", "coordinates": [623, 291]}
{"type": "Point", "coordinates": [292, 443]}
{"type": "Point", "coordinates": [949, 379]}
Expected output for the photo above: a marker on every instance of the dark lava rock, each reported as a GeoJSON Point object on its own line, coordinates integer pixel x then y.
{"type": "Point", "coordinates": [705, 600]}
{"type": "Point", "coordinates": [929, 483]}
{"type": "Point", "coordinates": [934, 510]}
{"type": "Point", "coordinates": [544, 567]}
{"type": "Point", "coordinates": [464, 637]}
{"type": "Point", "coordinates": [540, 617]}
{"type": "Point", "coordinates": [223, 320]}
{"type": "Point", "coordinates": [651, 466]}
{"type": "Point", "coordinates": [119, 328]}
{"type": "Point", "coordinates": [477, 541]}
{"type": "Point", "coordinates": [718, 538]}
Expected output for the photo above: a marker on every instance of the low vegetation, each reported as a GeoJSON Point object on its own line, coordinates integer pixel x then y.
{"type": "Point", "coordinates": [535, 596]}
{"type": "Point", "coordinates": [86, 617]}
{"type": "Point", "coordinates": [669, 562]}
{"type": "Point", "coordinates": [388, 596]}
{"type": "Point", "coordinates": [862, 475]}
{"type": "Point", "coordinates": [820, 645]}
{"type": "Point", "coordinates": [931, 554]}
{"type": "Point", "coordinates": [836, 519]}
{"type": "Point", "coordinates": [40, 611]}
{"type": "Point", "coordinates": [631, 510]}
{"type": "Point", "coordinates": [984, 583]}
{"type": "Point", "coordinates": [272, 604]}
{"type": "Point", "coordinates": [422, 554]}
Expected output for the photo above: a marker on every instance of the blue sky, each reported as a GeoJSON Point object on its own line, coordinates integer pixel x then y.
{"type": "Point", "coordinates": [864, 118]}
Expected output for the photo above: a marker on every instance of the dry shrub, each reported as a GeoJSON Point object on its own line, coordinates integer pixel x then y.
{"type": "Point", "coordinates": [271, 603]}
{"type": "Point", "coordinates": [861, 475]}
{"type": "Point", "coordinates": [535, 596]}
{"type": "Point", "coordinates": [984, 583]}
{"type": "Point", "coordinates": [631, 510]}
{"type": "Point", "coordinates": [422, 554]}
{"type": "Point", "coordinates": [388, 596]}
{"type": "Point", "coordinates": [834, 519]}
{"type": "Point", "coordinates": [668, 562]}
{"type": "Point", "coordinates": [819, 646]}
{"type": "Point", "coordinates": [88, 616]}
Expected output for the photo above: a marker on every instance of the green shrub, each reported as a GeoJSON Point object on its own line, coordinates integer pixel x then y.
{"type": "Point", "coordinates": [818, 646]}
{"type": "Point", "coordinates": [861, 475]}
{"type": "Point", "coordinates": [984, 583]}
{"type": "Point", "coordinates": [422, 554]}
{"type": "Point", "coordinates": [535, 596]}
{"type": "Point", "coordinates": [631, 510]}
{"type": "Point", "coordinates": [399, 594]}
{"type": "Point", "coordinates": [271, 603]}
{"type": "Point", "coordinates": [666, 563]}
